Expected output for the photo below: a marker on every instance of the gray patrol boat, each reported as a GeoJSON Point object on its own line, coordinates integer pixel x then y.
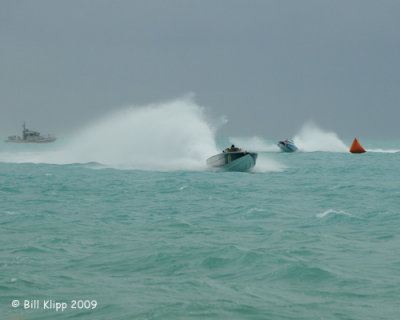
{"type": "Point", "coordinates": [30, 136]}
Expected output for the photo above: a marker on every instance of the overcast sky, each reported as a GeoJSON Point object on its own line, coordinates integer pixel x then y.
{"type": "Point", "coordinates": [269, 66]}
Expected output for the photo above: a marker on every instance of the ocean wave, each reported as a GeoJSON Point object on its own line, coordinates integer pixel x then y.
{"type": "Point", "coordinates": [384, 150]}
{"type": "Point", "coordinates": [252, 210]}
{"type": "Point", "coordinates": [11, 213]}
{"type": "Point", "coordinates": [332, 212]}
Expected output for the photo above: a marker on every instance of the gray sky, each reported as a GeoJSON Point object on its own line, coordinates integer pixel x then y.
{"type": "Point", "coordinates": [269, 66]}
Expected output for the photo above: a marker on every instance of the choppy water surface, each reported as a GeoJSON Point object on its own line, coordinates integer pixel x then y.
{"type": "Point", "coordinates": [309, 235]}
{"type": "Point", "coordinates": [315, 239]}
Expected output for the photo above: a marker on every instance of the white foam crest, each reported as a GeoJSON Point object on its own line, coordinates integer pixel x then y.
{"type": "Point", "coordinates": [165, 136]}
{"type": "Point", "coordinates": [332, 212]}
{"type": "Point", "coordinates": [11, 213]}
{"type": "Point", "coordinates": [255, 143]}
{"type": "Point", "coordinates": [311, 138]}
{"type": "Point", "coordinates": [383, 150]}
{"type": "Point", "coordinates": [266, 164]}
{"type": "Point", "coordinates": [255, 209]}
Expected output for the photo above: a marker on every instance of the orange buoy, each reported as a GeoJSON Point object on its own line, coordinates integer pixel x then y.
{"type": "Point", "coordinates": [356, 147]}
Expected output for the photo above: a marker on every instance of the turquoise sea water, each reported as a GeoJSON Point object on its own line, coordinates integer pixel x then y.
{"type": "Point", "coordinates": [313, 235]}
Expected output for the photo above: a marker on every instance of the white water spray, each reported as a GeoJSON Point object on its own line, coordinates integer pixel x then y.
{"type": "Point", "coordinates": [311, 138]}
{"type": "Point", "coordinates": [255, 143]}
{"type": "Point", "coordinates": [384, 150]}
{"type": "Point", "coordinates": [264, 162]}
{"type": "Point", "coordinates": [165, 136]}
{"type": "Point", "coordinates": [267, 164]}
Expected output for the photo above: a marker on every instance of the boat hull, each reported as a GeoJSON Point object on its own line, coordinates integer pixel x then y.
{"type": "Point", "coordinates": [233, 161]}
{"type": "Point", "coordinates": [30, 136]}
{"type": "Point", "coordinates": [287, 147]}
{"type": "Point", "coordinates": [46, 140]}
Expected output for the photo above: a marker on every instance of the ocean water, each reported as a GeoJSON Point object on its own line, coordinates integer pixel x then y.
{"type": "Point", "coordinates": [308, 235]}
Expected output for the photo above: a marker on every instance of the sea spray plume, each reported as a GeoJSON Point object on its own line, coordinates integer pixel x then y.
{"type": "Point", "coordinates": [165, 136]}
{"type": "Point", "coordinates": [312, 138]}
{"type": "Point", "coordinates": [255, 143]}
{"type": "Point", "coordinates": [266, 164]}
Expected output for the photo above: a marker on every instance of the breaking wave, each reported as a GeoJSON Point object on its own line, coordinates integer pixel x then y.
{"type": "Point", "coordinates": [333, 212]}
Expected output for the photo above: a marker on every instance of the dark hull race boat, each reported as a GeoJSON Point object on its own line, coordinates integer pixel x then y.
{"type": "Point", "coordinates": [30, 136]}
{"type": "Point", "coordinates": [233, 159]}
{"type": "Point", "coordinates": [287, 145]}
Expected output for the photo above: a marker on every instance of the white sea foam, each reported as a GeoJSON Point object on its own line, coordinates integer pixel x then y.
{"type": "Point", "coordinates": [311, 138]}
{"type": "Point", "coordinates": [332, 212]}
{"type": "Point", "coordinates": [252, 210]}
{"type": "Point", "coordinates": [266, 164]}
{"type": "Point", "coordinates": [164, 136]}
{"type": "Point", "coordinates": [11, 213]}
{"type": "Point", "coordinates": [383, 150]}
{"type": "Point", "coordinates": [255, 143]}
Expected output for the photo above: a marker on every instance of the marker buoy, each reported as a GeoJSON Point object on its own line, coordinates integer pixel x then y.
{"type": "Point", "coordinates": [356, 147]}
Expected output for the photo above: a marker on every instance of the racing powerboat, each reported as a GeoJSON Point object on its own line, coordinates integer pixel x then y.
{"type": "Point", "coordinates": [233, 159]}
{"type": "Point", "coordinates": [287, 145]}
